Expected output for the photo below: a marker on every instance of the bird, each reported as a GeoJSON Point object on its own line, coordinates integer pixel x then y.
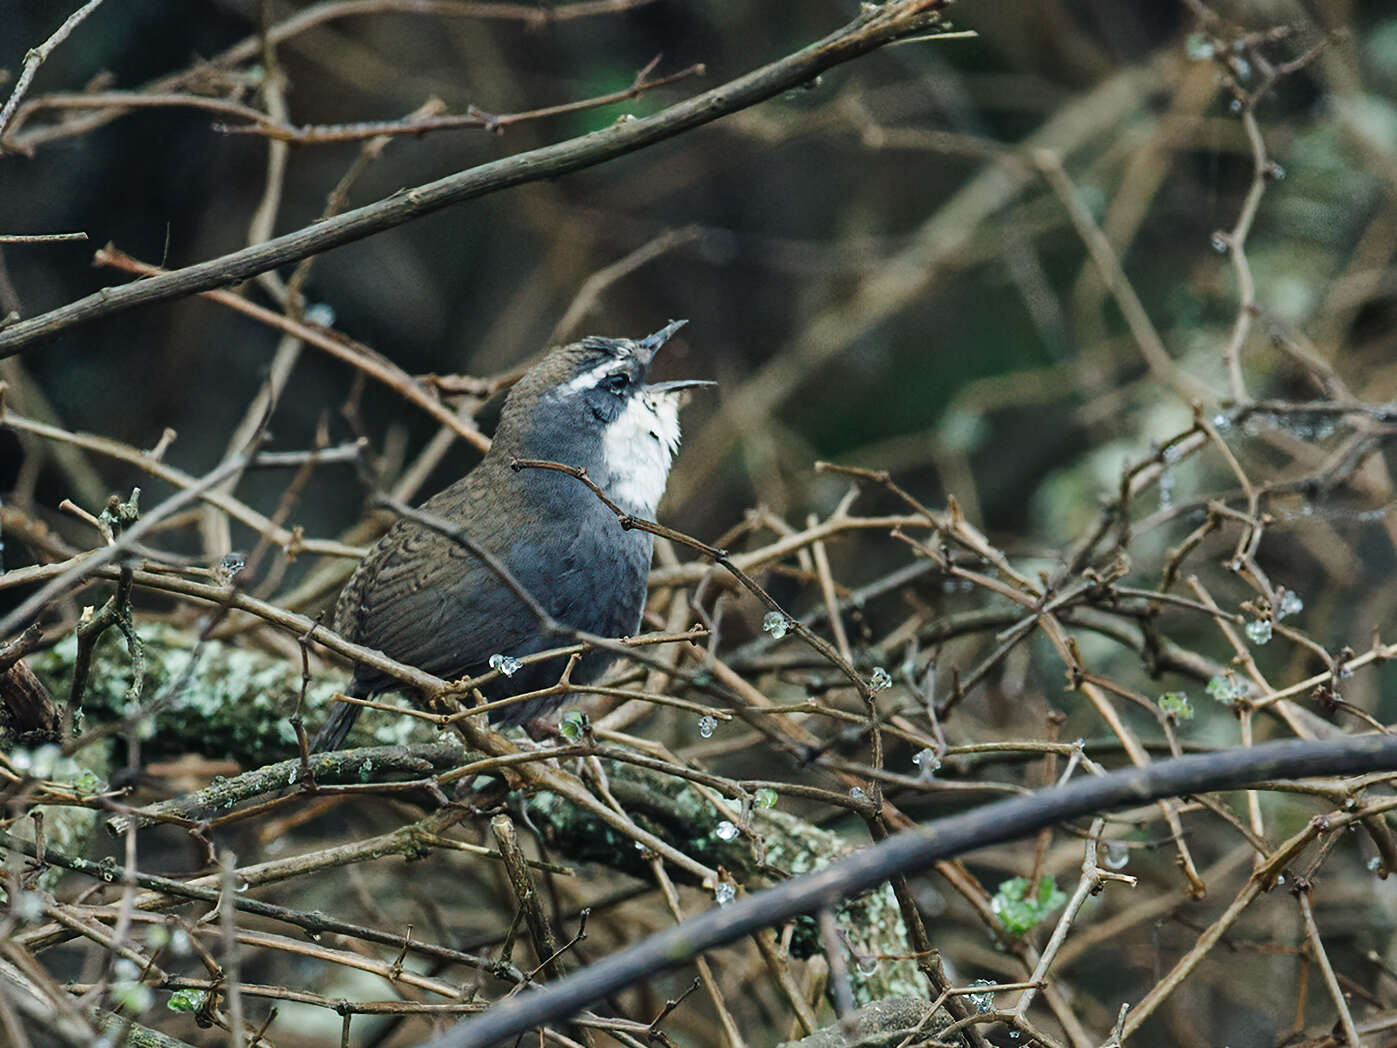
{"type": "Point", "coordinates": [424, 599]}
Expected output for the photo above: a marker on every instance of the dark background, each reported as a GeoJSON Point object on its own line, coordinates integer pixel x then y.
{"type": "Point", "coordinates": [477, 288]}
{"type": "Point", "coordinates": [855, 280]}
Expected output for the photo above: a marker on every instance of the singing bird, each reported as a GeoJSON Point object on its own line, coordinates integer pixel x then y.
{"type": "Point", "coordinates": [424, 599]}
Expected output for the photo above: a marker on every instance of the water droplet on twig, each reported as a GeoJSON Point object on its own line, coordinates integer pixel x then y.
{"type": "Point", "coordinates": [506, 664]}
{"type": "Point", "coordinates": [927, 762]}
{"type": "Point", "coordinates": [775, 624]}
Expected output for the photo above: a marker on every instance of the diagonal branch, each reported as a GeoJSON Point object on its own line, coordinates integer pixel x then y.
{"type": "Point", "coordinates": [871, 29]}
{"type": "Point", "coordinates": [915, 849]}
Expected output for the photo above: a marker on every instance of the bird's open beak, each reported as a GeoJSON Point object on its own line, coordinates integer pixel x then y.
{"type": "Point", "coordinates": [650, 344]}
{"type": "Point", "coordinates": [676, 385]}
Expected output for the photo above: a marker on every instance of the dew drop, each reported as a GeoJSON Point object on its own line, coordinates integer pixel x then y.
{"type": "Point", "coordinates": [321, 313]}
{"type": "Point", "coordinates": [707, 726]}
{"type": "Point", "coordinates": [867, 964]}
{"type": "Point", "coordinates": [881, 679]}
{"type": "Point", "coordinates": [724, 893]}
{"type": "Point", "coordinates": [1375, 864]}
{"type": "Point", "coordinates": [506, 664]}
{"type": "Point", "coordinates": [1176, 704]}
{"type": "Point", "coordinates": [726, 831]}
{"type": "Point", "coordinates": [982, 1002]}
{"type": "Point", "coordinates": [1218, 243]}
{"type": "Point", "coordinates": [775, 624]}
{"type": "Point", "coordinates": [1259, 631]}
{"type": "Point", "coordinates": [766, 797]}
{"type": "Point", "coordinates": [857, 793]}
{"type": "Point", "coordinates": [1117, 855]}
{"type": "Point", "coordinates": [228, 566]}
{"type": "Point", "coordinates": [1291, 604]}
{"type": "Point", "coordinates": [927, 762]}
{"type": "Point", "coordinates": [1225, 689]}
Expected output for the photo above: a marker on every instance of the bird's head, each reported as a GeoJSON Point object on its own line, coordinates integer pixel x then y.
{"type": "Point", "coordinates": [588, 404]}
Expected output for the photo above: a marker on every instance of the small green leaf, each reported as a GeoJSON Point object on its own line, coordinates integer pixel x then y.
{"type": "Point", "coordinates": [186, 1000]}
{"type": "Point", "coordinates": [573, 725]}
{"type": "Point", "coordinates": [1176, 704]}
{"type": "Point", "coordinates": [1020, 906]}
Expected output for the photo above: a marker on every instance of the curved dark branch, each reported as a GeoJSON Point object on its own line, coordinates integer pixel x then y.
{"type": "Point", "coordinates": [943, 839]}
{"type": "Point", "coordinates": [872, 29]}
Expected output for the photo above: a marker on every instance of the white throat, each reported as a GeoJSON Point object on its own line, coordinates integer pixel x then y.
{"type": "Point", "coordinates": [638, 449]}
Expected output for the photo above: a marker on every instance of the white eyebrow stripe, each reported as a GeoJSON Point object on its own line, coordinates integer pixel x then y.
{"type": "Point", "coordinates": [588, 379]}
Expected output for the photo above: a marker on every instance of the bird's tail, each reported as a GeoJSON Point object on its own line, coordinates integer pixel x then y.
{"type": "Point", "coordinates": [333, 732]}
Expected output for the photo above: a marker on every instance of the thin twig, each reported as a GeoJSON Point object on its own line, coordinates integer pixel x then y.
{"type": "Point", "coordinates": [36, 56]}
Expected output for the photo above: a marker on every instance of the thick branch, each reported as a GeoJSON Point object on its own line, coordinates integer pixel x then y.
{"type": "Point", "coordinates": [915, 849]}
{"type": "Point", "coordinates": [868, 31]}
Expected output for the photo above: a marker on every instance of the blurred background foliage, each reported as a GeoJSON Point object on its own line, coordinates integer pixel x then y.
{"type": "Point", "coordinates": [794, 211]}
{"type": "Point", "coordinates": [873, 272]}
{"type": "Point", "coordinates": [859, 276]}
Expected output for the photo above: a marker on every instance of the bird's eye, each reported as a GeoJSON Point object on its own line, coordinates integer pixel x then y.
{"type": "Point", "coordinates": [616, 383]}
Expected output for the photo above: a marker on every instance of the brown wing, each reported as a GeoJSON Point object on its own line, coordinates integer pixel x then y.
{"type": "Point", "coordinates": [425, 600]}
